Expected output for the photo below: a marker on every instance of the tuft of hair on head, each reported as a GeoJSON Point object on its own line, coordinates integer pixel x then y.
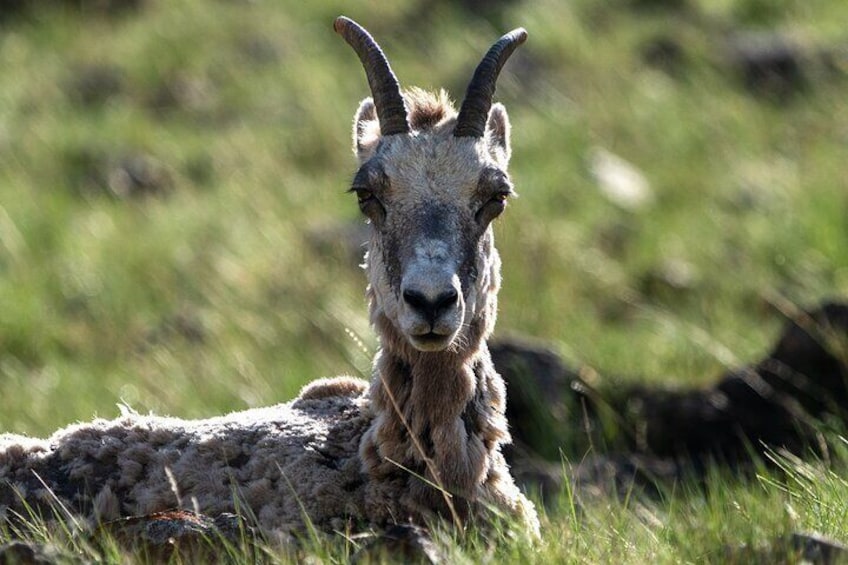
{"type": "Point", "coordinates": [427, 109]}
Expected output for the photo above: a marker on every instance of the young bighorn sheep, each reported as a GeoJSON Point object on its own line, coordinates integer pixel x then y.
{"type": "Point", "coordinates": [426, 438]}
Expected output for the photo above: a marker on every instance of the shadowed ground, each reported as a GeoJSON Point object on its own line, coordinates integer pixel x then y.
{"type": "Point", "coordinates": [647, 433]}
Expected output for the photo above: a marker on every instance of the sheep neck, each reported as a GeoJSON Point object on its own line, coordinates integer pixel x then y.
{"type": "Point", "coordinates": [438, 414]}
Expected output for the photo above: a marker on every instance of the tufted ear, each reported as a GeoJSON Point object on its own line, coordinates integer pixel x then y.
{"type": "Point", "coordinates": [497, 134]}
{"type": "Point", "coordinates": [366, 130]}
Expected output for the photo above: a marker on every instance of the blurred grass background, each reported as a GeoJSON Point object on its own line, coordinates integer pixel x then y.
{"type": "Point", "coordinates": [174, 233]}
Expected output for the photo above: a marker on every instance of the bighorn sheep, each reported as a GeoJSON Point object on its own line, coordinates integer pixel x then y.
{"type": "Point", "coordinates": [432, 422]}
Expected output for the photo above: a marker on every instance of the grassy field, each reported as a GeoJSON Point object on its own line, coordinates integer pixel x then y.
{"type": "Point", "coordinates": [172, 207]}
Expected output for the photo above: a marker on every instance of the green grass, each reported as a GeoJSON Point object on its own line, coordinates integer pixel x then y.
{"type": "Point", "coordinates": [214, 296]}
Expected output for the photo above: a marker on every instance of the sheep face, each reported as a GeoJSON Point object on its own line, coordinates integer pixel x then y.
{"type": "Point", "coordinates": [430, 198]}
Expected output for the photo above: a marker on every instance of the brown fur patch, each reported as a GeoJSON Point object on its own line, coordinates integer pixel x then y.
{"type": "Point", "coordinates": [330, 387]}
{"type": "Point", "coordinates": [426, 109]}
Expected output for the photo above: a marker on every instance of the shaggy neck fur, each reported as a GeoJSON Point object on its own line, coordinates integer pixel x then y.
{"type": "Point", "coordinates": [440, 414]}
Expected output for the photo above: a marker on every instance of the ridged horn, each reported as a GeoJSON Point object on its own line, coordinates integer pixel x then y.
{"type": "Point", "coordinates": [478, 98]}
{"type": "Point", "coordinates": [384, 85]}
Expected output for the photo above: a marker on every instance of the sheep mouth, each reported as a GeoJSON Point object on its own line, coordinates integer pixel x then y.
{"type": "Point", "coordinates": [431, 341]}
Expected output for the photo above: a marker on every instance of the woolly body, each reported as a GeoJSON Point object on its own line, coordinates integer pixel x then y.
{"type": "Point", "coordinates": [277, 463]}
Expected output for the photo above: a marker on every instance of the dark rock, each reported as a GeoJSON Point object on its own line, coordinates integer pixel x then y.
{"type": "Point", "coordinates": [183, 92]}
{"type": "Point", "coordinates": [540, 477]}
{"type": "Point", "coordinates": [664, 53]}
{"type": "Point", "coordinates": [165, 535]}
{"type": "Point", "coordinates": [200, 169]}
{"type": "Point", "coordinates": [92, 172]}
{"type": "Point", "coordinates": [625, 474]}
{"type": "Point", "coordinates": [540, 397]}
{"type": "Point", "coordinates": [643, 435]}
{"type": "Point", "coordinates": [534, 364]}
{"type": "Point", "coordinates": [769, 64]}
{"type": "Point", "coordinates": [92, 85]}
{"type": "Point", "coordinates": [717, 424]}
{"type": "Point", "coordinates": [615, 237]}
{"type": "Point", "coordinates": [796, 548]}
{"type": "Point", "coordinates": [775, 402]}
{"type": "Point", "coordinates": [810, 360]}
{"type": "Point", "coordinates": [402, 543]}
{"type": "Point", "coordinates": [814, 548]}
{"type": "Point", "coordinates": [139, 175]}
{"type": "Point", "coordinates": [28, 553]}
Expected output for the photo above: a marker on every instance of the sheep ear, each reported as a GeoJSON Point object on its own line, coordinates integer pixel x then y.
{"type": "Point", "coordinates": [497, 134]}
{"type": "Point", "coordinates": [366, 130]}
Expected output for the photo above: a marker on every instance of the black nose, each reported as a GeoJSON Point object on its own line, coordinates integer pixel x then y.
{"type": "Point", "coordinates": [430, 307]}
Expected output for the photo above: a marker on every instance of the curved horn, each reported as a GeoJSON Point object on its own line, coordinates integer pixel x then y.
{"type": "Point", "coordinates": [478, 98]}
{"type": "Point", "coordinates": [385, 88]}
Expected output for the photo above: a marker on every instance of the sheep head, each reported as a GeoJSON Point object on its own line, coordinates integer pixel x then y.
{"type": "Point", "coordinates": [430, 181]}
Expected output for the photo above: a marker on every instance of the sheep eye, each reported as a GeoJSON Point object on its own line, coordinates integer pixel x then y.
{"type": "Point", "coordinates": [369, 204]}
{"type": "Point", "coordinates": [363, 195]}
